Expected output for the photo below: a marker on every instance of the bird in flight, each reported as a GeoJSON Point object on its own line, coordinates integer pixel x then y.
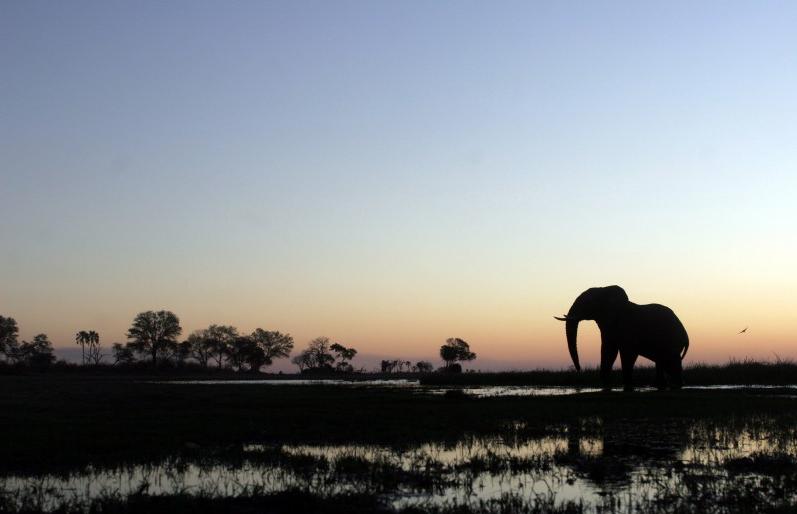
{"type": "Point", "coordinates": [743, 330]}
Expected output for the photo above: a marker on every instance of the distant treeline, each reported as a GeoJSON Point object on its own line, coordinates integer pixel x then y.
{"type": "Point", "coordinates": [154, 341]}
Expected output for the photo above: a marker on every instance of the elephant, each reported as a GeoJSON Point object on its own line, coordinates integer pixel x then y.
{"type": "Point", "coordinates": [652, 331]}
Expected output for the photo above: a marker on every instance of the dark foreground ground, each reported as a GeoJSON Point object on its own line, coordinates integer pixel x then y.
{"type": "Point", "coordinates": [57, 425]}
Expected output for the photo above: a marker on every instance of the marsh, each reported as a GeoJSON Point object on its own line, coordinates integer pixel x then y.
{"type": "Point", "coordinates": [81, 443]}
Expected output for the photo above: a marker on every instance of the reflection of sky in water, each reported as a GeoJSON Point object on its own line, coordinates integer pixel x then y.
{"type": "Point", "coordinates": [557, 468]}
{"type": "Point", "coordinates": [476, 391]}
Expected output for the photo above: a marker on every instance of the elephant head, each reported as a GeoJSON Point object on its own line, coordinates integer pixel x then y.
{"type": "Point", "coordinates": [601, 304]}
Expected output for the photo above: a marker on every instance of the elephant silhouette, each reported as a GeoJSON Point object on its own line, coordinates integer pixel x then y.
{"type": "Point", "coordinates": [652, 331]}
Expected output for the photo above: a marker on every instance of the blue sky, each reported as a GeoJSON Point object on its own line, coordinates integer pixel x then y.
{"type": "Point", "coordinates": [394, 173]}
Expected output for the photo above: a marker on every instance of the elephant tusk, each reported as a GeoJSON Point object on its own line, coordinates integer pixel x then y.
{"type": "Point", "coordinates": [560, 319]}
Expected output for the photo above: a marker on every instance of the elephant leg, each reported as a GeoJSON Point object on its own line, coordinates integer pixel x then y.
{"type": "Point", "coordinates": [675, 374]}
{"type": "Point", "coordinates": [661, 382]}
{"type": "Point", "coordinates": [608, 356]}
{"type": "Point", "coordinates": [627, 361]}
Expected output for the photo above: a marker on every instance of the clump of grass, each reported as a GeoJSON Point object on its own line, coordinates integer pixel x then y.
{"type": "Point", "coordinates": [284, 502]}
{"type": "Point", "coordinates": [493, 462]}
{"type": "Point", "coordinates": [355, 465]}
{"type": "Point", "coordinates": [600, 470]}
{"type": "Point", "coordinates": [763, 463]}
{"type": "Point", "coordinates": [265, 455]}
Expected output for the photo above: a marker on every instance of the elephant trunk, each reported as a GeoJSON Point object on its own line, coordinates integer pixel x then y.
{"type": "Point", "coordinates": [571, 330]}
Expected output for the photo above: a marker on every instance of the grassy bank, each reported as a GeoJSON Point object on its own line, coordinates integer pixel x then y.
{"type": "Point", "coordinates": [733, 373]}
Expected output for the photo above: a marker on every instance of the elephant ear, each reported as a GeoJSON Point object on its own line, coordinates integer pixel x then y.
{"type": "Point", "coordinates": [615, 301]}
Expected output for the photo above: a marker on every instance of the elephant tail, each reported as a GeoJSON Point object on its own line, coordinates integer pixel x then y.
{"type": "Point", "coordinates": [686, 347]}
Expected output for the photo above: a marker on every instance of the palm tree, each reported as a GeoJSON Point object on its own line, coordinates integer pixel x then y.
{"type": "Point", "coordinates": [82, 338]}
{"type": "Point", "coordinates": [93, 339]}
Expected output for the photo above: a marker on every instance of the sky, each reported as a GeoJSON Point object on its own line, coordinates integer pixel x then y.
{"type": "Point", "coordinates": [390, 174]}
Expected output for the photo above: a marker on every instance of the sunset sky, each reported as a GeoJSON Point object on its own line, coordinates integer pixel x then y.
{"type": "Point", "coordinates": [390, 174]}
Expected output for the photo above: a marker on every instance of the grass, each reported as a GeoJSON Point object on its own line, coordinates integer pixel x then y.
{"type": "Point", "coordinates": [297, 501]}
{"type": "Point", "coordinates": [746, 372]}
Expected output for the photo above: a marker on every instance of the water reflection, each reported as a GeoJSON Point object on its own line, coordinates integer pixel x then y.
{"type": "Point", "coordinates": [592, 462]}
{"type": "Point", "coordinates": [474, 391]}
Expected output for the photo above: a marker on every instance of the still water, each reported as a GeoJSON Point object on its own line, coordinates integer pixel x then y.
{"type": "Point", "coordinates": [596, 464]}
{"type": "Point", "coordinates": [475, 391]}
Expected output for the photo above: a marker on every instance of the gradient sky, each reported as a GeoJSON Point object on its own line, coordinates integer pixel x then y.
{"type": "Point", "coordinates": [391, 174]}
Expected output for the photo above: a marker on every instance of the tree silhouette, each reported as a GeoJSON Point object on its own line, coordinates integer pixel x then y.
{"type": "Point", "coordinates": [244, 350]}
{"type": "Point", "coordinates": [8, 334]}
{"type": "Point", "coordinates": [183, 352]}
{"type": "Point", "coordinates": [343, 356]}
{"type": "Point", "coordinates": [92, 339]}
{"type": "Point", "coordinates": [37, 353]}
{"type": "Point", "coordinates": [423, 367]}
{"type": "Point", "coordinates": [269, 345]}
{"type": "Point", "coordinates": [95, 350]}
{"type": "Point", "coordinates": [155, 334]}
{"type": "Point", "coordinates": [219, 341]}
{"type": "Point", "coordinates": [319, 351]}
{"type": "Point", "coordinates": [455, 350]}
{"type": "Point", "coordinates": [82, 338]}
{"type": "Point", "coordinates": [316, 356]}
{"type": "Point", "coordinates": [238, 349]}
{"type": "Point", "coordinates": [302, 360]}
{"type": "Point", "coordinates": [199, 346]}
{"type": "Point", "coordinates": [393, 365]}
{"type": "Point", "coordinates": [122, 354]}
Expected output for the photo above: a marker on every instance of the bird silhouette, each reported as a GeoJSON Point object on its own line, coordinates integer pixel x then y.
{"type": "Point", "coordinates": [743, 330]}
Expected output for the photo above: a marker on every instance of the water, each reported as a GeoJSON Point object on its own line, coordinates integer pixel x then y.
{"type": "Point", "coordinates": [297, 382]}
{"type": "Point", "coordinates": [595, 463]}
{"type": "Point", "coordinates": [414, 385]}
{"type": "Point", "coordinates": [475, 391]}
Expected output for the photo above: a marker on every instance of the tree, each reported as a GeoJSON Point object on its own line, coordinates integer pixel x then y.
{"type": "Point", "coordinates": [343, 355]}
{"type": "Point", "coordinates": [183, 352]}
{"type": "Point", "coordinates": [95, 350]}
{"type": "Point", "coordinates": [82, 338]}
{"type": "Point", "coordinates": [302, 360]}
{"type": "Point", "coordinates": [199, 346]}
{"type": "Point", "coordinates": [242, 350]}
{"type": "Point", "coordinates": [423, 366]}
{"type": "Point", "coordinates": [122, 354]}
{"type": "Point", "coordinates": [316, 356]}
{"type": "Point", "coordinates": [155, 333]}
{"type": "Point", "coordinates": [273, 344]}
{"type": "Point", "coordinates": [393, 365]}
{"type": "Point", "coordinates": [219, 341]}
{"type": "Point", "coordinates": [455, 350]}
{"type": "Point", "coordinates": [37, 353]}
{"type": "Point", "coordinates": [245, 350]}
{"type": "Point", "coordinates": [8, 334]}
{"type": "Point", "coordinates": [92, 339]}
{"type": "Point", "coordinates": [318, 350]}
